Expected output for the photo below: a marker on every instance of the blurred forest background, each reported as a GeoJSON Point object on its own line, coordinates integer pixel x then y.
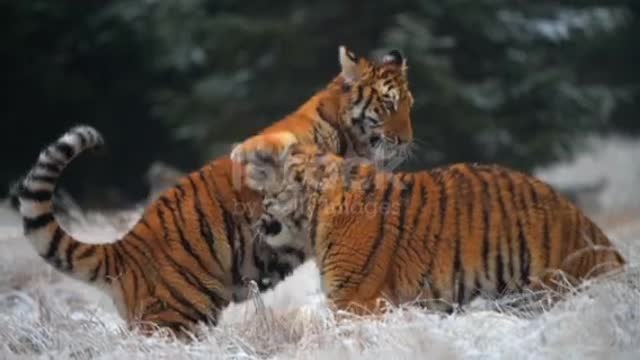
{"type": "Point", "coordinates": [509, 81]}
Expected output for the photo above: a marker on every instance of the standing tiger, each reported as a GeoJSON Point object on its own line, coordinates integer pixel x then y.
{"type": "Point", "coordinates": [191, 252]}
{"type": "Point", "coordinates": [442, 236]}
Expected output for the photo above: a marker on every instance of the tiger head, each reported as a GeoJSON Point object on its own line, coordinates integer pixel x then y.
{"type": "Point", "coordinates": [376, 111]}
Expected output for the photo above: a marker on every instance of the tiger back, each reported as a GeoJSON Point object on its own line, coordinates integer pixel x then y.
{"type": "Point", "coordinates": [443, 236]}
{"type": "Point", "coordinates": [193, 250]}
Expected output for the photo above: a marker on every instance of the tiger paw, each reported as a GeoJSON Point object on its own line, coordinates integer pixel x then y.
{"type": "Point", "coordinates": [263, 156]}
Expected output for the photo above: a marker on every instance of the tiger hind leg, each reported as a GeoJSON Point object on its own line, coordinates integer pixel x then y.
{"type": "Point", "coordinates": [157, 319]}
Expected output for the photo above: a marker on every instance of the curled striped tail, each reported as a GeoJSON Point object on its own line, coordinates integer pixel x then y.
{"type": "Point", "coordinates": [35, 195]}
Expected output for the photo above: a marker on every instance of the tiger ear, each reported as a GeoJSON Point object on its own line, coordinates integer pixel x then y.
{"type": "Point", "coordinates": [349, 64]}
{"type": "Point", "coordinates": [395, 57]}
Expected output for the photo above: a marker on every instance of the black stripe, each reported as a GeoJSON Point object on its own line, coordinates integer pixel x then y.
{"type": "Point", "coordinates": [118, 262]}
{"type": "Point", "coordinates": [485, 209]}
{"type": "Point", "coordinates": [423, 204]}
{"type": "Point", "coordinates": [525, 260]}
{"type": "Point", "coordinates": [183, 240]}
{"type": "Point", "coordinates": [205, 229]}
{"type": "Point", "coordinates": [350, 171]}
{"type": "Point", "coordinates": [435, 291]}
{"type": "Point", "coordinates": [181, 194]}
{"type": "Point", "coordinates": [534, 194]}
{"type": "Point", "coordinates": [547, 238]}
{"type": "Point", "coordinates": [537, 198]}
{"type": "Point", "coordinates": [71, 249]}
{"type": "Point", "coordinates": [229, 229]}
{"type": "Point", "coordinates": [343, 279]}
{"type": "Point", "coordinates": [359, 91]}
{"type": "Point", "coordinates": [83, 139]}
{"type": "Point", "coordinates": [376, 248]}
{"type": "Point", "coordinates": [313, 227]}
{"type": "Point", "coordinates": [238, 255]}
{"type": "Point", "coordinates": [521, 217]}
{"type": "Point", "coordinates": [89, 251]}
{"type": "Point", "coordinates": [406, 194]}
{"type": "Point", "coordinates": [119, 248]}
{"type": "Point", "coordinates": [35, 195]}
{"type": "Point", "coordinates": [96, 270]}
{"type": "Point", "coordinates": [413, 242]}
{"type": "Point", "coordinates": [126, 253]}
{"type": "Point", "coordinates": [511, 241]}
{"type": "Point", "coordinates": [342, 140]}
{"type": "Point", "coordinates": [593, 234]}
{"type": "Point", "coordinates": [477, 290]}
{"type": "Point", "coordinates": [120, 268]}
{"type": "Point", "coordinates": [456, 245]}
{"type": "Point", "coordinates": [442, 199]}
{"type": "Point", "coordinates": [116, 267]}
{"type": "Point", "coordinates": [65, 149]}
{"type": "Point", "coordinates": [521, 276]}
{"type": "Point", "coordinates": [50, 166]}
{"type": "Point", "coordinates": [545, 231]}
{"type": "Point", "coordinates": [44, 178]}
{"type": "Point", "coordinates": [106, 266]}
{"type": "Point", "coordinates": [366, 104]}
{"type": "Point", "coordinates": [500, 282]}
{"type": "Point", "coordinates": [176, 294]}
{"type": "Point", "coordinates": [489, 224]}
{"type": "Point", "coordinates": [323, 260]}
{"type": "Point", "coordinates": [37, 222]}
{"type": "Point", "coordinates": [236, 195]}
{"type": "Point", "coordinates": [227, 218]}
{"type": "Point", "coordinates": [444, 202]}
{"type": "Point", "coordinates": [369, 185]}
{"type": "Point", "coordinates": [317, 138]}
{"type": "Point", "coordinates": [260, 265]}
{"type": "Point", "coordinates": [54, 243]}
{"type": "Point", "coordinates": [186, 275]}
{"type": "Point", "coordinates": [458, 268]}
{"type": "Point", "coordinates": [460, 292]}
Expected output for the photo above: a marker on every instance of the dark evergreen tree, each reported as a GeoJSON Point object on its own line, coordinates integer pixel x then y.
{"type": "Point", "coordinates": [506, 81]}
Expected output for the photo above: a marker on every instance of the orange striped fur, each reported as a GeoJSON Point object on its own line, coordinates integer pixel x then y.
{"type": "Point", "coordinates": [193, 250]}
{"type": "Point", "coordinates": [365, 112]}
{"type": "Point", "coordinates": [443, 236]}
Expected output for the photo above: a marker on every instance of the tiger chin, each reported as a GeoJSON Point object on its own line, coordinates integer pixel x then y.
{"type": "Point", "coordinates": [440, 237]}
{"type": "Point", "coordinates": [193, 250]}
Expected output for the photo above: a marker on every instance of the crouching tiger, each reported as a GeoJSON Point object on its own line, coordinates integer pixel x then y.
{"type": "Point", "coordinates": [441, 237]}
{"type": "Point", "coordinates": [193, 249]}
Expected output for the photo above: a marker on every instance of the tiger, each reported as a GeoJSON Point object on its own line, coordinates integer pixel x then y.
{"type": "Point", "coordinates": [192, 252]}
{"type": "Point", "coordinates": [440, 237]}
{"type": "Point", "coordinates": [372, 120]}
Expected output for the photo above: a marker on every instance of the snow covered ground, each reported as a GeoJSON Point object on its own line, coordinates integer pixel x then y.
{"type": "Point", "coordinates": [46, 315]}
